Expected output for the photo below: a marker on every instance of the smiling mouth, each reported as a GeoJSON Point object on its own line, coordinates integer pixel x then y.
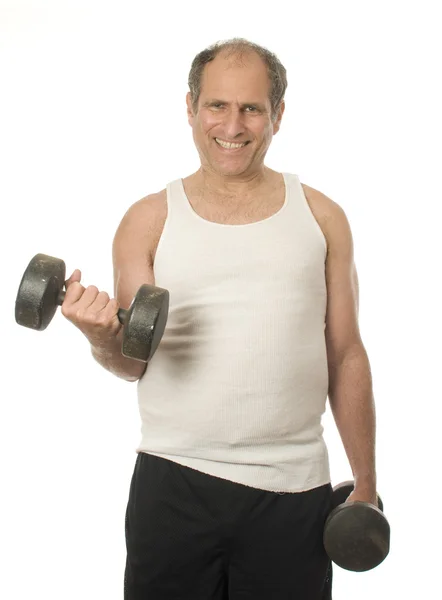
{"type": "Point", "coordinates": [230, 145]}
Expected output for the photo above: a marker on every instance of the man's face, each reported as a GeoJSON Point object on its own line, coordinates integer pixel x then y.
{"type": "Point", "coordinates": [233, 107]}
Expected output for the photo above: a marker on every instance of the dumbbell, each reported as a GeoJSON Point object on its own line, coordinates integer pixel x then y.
{"type": "Point", "coordinates": [356, 534]}
{"type": "Point", "coordinates": [41, 292]}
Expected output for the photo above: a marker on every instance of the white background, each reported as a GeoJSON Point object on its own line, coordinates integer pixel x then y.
{"type": "Point", "coordinates": [93, 118]}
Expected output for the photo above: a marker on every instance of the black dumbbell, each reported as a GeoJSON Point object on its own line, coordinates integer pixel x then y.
{"type": "Point", "coordinates": [41, 292]}
{"type": "Point", "coordinates": [356, 534]}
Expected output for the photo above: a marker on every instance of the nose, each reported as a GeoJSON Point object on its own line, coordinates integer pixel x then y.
{"type": "Point", "coordinates": [234, 124]}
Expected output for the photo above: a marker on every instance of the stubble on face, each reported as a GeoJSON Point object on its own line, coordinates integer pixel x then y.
{"type": "Point", "coordinates": [234, 106]}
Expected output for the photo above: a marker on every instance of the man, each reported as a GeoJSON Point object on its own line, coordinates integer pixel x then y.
{"type": "Point", "coordinates": [231, 486]}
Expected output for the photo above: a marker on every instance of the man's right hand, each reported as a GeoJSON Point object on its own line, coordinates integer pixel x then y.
{"type": "Point", "coordinates": [92, 311]}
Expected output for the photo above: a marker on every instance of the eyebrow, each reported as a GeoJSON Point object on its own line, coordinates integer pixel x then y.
{"type": "Point", "coordinates": [243, 105]}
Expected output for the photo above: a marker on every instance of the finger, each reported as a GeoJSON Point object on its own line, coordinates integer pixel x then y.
{"type": "Point", "coordinates": [89, 296]}
{"type": "Point", "coordinates": [100, 302]}
{"type": "Point", "coordinates": [110, 312]}
{"type": "Point", "coordinates": [74, 292]}
{"type": "Point", "coordinates": [75, 277]}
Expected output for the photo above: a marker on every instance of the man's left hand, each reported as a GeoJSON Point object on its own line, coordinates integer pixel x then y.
{"type": "Point", "coordinates": [361, 495]}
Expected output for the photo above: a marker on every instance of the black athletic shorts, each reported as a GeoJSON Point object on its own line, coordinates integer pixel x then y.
{"type": "Point", "coordinates": [192, 536]}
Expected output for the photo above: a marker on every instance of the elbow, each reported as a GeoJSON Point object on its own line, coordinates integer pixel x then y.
{"type": "Point", "coordinates": [132, 374]}
{"type": "Point", "coordinates": [338, 359]}
{"type": "Point", "coordinates": [349, 374]}
{"type": "Point", "coordinates": [138, 372]}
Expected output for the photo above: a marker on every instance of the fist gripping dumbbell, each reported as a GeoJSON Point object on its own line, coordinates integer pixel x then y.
{"type": "Point", "coordinates": [41, 292]}
{"type": "Point", "coordinates": [356, 534]}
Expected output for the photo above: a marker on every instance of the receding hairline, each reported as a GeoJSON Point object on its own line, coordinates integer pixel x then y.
{"type": "Point", "coordinates": [227, 54]}
{"type": "Point", "coordinates": [239, 50]}
{"type": "Point", "coordinates": [238, 54]}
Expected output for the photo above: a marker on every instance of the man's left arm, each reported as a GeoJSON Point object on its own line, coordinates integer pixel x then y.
{"type": "Point", "coordinates": [350, 380]}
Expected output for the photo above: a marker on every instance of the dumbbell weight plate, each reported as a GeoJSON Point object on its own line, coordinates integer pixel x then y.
{"type": "Point", "coordinates": [357, 536]}
{"type": "Point", "coordinates": [39, 289]}
{"type": "Point", "coordinates": [145, 322]}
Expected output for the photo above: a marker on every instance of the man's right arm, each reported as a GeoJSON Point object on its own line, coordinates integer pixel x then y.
{"type": "Point", "coordinates": [132, 266]}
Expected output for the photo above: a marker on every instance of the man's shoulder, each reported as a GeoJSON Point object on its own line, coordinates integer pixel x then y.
{"type": "Point", "coordinates": [149, 211]}
{"type": "Point", "coordinates": [155, 203]}
{"type": "Point", "coordinates": [320, 202]}
{"type": "Point", "coordinates": [328, 213]}
{"type": "Point", "coordinates": [144, 220]}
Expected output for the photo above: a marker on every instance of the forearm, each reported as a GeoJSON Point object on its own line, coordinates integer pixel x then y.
{"type": "Point", "coordinates": [110, 357]}
{"type": "Point", "coordinates": [353, 408]}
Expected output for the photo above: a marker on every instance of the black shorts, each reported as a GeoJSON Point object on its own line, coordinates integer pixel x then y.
{"type": "Point", "coordinates": [192, 536]}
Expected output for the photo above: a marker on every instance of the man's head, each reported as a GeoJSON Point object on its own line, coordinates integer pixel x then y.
{"type": "Point", "coordinates": [236, 95]}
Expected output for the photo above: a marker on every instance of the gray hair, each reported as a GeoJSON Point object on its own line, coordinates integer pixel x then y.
{"type": "Point", "coordinates": [239, 47]}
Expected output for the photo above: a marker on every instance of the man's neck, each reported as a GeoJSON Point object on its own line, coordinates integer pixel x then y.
{"type": "Point", "coordinates": [241, 186]}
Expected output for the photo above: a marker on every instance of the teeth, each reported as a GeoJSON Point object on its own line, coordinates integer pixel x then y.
{"type": "Point", "coordinates": [229, 145]}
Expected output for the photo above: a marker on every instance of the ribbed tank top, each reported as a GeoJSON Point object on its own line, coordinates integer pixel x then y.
{"type": "Point", "coordinates": [238, 385]}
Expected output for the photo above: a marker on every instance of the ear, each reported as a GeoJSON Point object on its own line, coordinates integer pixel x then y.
{"type": "Point", "coordinates": [190, 114]}
{"type": "Point", "coordinates": [277, 123]}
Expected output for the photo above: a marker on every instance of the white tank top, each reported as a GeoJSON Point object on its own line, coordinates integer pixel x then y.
{"type": "Point", "coordinates": [239, 382]}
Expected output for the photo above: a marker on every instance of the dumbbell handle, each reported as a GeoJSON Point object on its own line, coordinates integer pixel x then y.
{"type": "Point", "coordinates": [121, 314]}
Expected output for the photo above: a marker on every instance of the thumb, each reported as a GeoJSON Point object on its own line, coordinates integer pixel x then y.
{"type": "Point", "coordinates": [75, 277]}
